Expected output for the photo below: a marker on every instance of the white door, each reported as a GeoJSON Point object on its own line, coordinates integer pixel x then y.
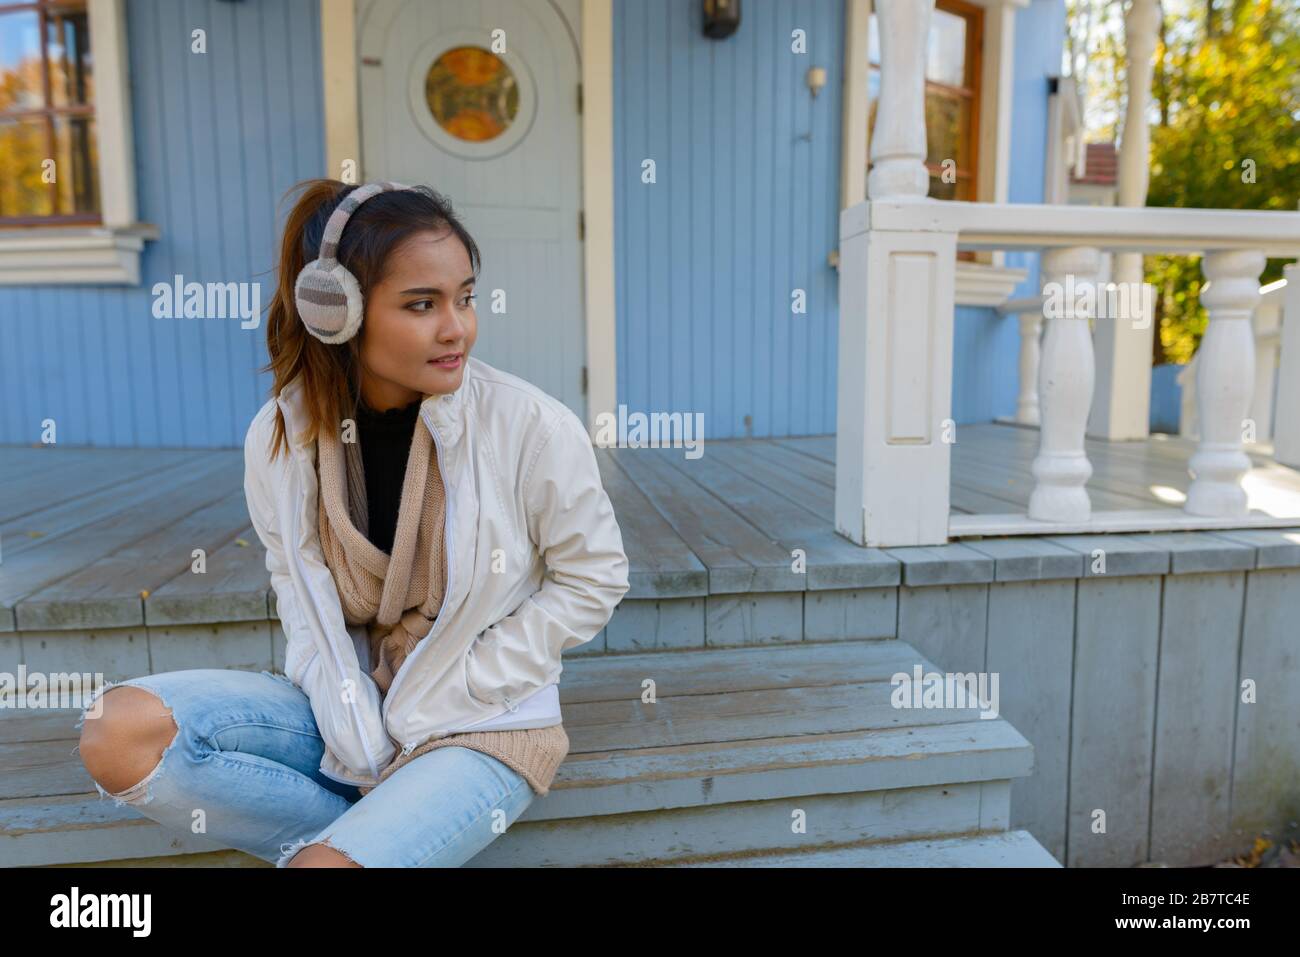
{"type": "Point", "coordinates": [480, 100]}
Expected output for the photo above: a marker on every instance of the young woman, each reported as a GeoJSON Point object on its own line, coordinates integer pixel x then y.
{"type": "Point", "coordinates": [437, 534]}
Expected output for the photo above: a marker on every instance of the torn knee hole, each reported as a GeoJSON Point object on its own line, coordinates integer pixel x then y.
{"type": "Point", "coordinates": [290, 851]}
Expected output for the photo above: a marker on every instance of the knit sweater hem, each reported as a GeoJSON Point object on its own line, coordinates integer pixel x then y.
{"type": "Point", "coordinates": [534, 753]}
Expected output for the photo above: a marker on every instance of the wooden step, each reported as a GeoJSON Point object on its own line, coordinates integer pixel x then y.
{"type": "Point", "coordinates": [1006, 849]}
{"type": "Point", "coordinates": [734, 746]}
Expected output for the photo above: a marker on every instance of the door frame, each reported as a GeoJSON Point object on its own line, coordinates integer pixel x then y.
{"type": "Point", "coordinates": [340, 84]}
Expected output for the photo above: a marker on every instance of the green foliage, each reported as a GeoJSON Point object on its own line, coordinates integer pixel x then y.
{"type": "Point", "coordinates": [1229, 138]}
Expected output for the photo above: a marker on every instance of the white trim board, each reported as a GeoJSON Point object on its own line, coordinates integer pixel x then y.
{"type": "Point", "coordinates": [1119, 520]}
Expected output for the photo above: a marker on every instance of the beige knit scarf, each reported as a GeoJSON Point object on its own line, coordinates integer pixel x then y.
{"type": "Point", "coordinates": [397, 597]}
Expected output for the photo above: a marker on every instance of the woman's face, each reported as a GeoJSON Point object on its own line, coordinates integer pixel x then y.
{"type": "Point", "coordinates": [420, 323]}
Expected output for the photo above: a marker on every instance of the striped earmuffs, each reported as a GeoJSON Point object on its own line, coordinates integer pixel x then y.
{"type": "Point", "coordinates": [328, 296]}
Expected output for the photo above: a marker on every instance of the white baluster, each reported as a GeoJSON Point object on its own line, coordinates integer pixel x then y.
{"type": "Point", "coordinates": [1225, 382]}
{"type": "Point", "coordinates": [1065, 382]}
{"type": "Point", "coordinates": [1031, 325]}
{"type": "Point", "coordinates": [898, 136]}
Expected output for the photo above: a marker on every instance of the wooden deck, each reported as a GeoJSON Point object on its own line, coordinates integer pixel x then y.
{"type": "Point", "coordinates": [104, 538]}
{"type": "Point", "coordinates": [95, 577]}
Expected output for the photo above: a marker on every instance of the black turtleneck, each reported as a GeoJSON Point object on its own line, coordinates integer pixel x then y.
{"type": "Point", "coordinates": [385, 447]}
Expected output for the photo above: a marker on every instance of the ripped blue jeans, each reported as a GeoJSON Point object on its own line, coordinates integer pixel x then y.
{"type": "Point", "coordinates": [245, 762]}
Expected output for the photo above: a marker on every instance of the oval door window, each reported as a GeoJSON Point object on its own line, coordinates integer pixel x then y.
{"type": "Point", "coordinates": [472, 94]}
{"type": "Point", "coordinates": [470, 101]}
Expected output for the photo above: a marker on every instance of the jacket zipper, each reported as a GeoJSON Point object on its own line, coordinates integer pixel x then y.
{"type": "Point", "coordinates": [448, 544]}
{"type": "Point", "coordinates": [297, 559]}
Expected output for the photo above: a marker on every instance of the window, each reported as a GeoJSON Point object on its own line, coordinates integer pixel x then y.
{"type": "Point", "coordinates": [48, 146]}
{"type": "Point", "coordinates": [472, 93]}
{"type": "Point", "coordinates": [952, 94]}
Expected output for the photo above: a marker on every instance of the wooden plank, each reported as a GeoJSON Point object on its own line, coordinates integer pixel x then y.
{"type": "Point", "coordinates": [850, 613]}
{"type": "Point", "coordinates": [831, 561]}
{"type": "Point", "coordinates": [30, 461]}
{"type": "Point", "coordinates": [1028, 559]}
{"type": "Point", "coordinates": [1117, 631]}
{"type": "Point", "coordinates": [42, 769]}
{"type": "Point", "coordinates": [84, 476]}
{"type": "Point", "coordinates": [1197, 552]}
{"type": "Point", "coordinates": [32, 570]}
{"type": "Point", "coordinates": [661, 564]}
{"type": "Point", "coordinates": [806, 474]}
{"type": "Point", "coordinates": [26, 725]}
{"type": "Point", "coordinates": [996, 475]}
{"type": "Point", "coordinates": [794, 483]}
{"type": "Point", "coordinates": [1031, 648]}
{"type": "Point", "coordinates": [1107, 555]}
{"type": "Point", "coordinates": [753, 618]}
{"type": "Point", "coordinates": [1274, 548]}
{"type": "Point", "coordinates": [738, 556]}
{"type": "Point", "coordinates": [1265, 799]}
{"type": "Point", "coordinates": [942, 565]}
{"type": "Point", "coordinates": [109, 592]}
{"type": "Point", "coordinates": [234, 587]}
{"type": "Point", "coordinates": [235, 646]}
{"type": "Point", "coordinates": [741, 715]}
{"type": "Point", "coordinates": [113, 653]}
{"type": "Point", "coordinates": [85, 827]}
{"type": "Point", "coordinates": [1200, 635]}
{"type": "Point", "coordinates": [742, 826]}
{"type": "Point", "coordinates": [641, 624]}
{"type": "Point", "coordinates": [1137, 470]}
{"type": "Point", "coordinates": [947, 624]}
{"type": "Point", "coordinates": [808, 665]}
{"type": "Point", "coordinates": [1011, 849]}
{"type": "Point", "coordinates": [903, 757]}
{"type": "Point", "coordinates": [69, 515]}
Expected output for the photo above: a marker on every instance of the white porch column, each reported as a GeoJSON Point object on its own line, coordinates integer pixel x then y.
{"type": "Point", "coordinates": [1122, 409]}
{"type": "Point", "coordinates": [1031, 326]}
{"type": "Point", "coordinates": [896, 317]}
{"type": "Point", "coordinates": [1286, 423]}
{"type": "Point", "coordinates": [1065, 384]}
{"type": "Point", "coordinates": [1225, 383]}
{"type": "Point", "coordinates": [898, 139]}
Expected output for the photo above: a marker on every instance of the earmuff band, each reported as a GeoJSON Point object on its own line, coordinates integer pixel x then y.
{"type": "Point", "coordinates": [327, 295]}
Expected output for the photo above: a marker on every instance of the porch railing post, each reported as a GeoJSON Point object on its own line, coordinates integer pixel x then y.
{"type": "Point", "coordinates": [1066, 378]}
{"type": "Point", "coordinates": [1225, 383]}
{"type": "Point", "coordinates": [893, 429]}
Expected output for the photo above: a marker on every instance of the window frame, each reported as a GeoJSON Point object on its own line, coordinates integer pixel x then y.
{"type": "Point", "coordinates": [45, 9]}
{"type": "Point", "coordinates": [106, 252]}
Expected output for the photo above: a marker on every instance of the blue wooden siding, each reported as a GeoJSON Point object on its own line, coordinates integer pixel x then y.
{"type": "Point", "coordinates": [219, 137]}
{"type": "Point", "coordinates": [745, 209]}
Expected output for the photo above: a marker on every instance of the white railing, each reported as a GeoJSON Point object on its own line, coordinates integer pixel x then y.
{"type": "Point", "coordinates": [897, 249]}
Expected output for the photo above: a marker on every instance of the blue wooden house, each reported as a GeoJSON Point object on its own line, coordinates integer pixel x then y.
{"type": "Point", "coordinates": [823, 228]}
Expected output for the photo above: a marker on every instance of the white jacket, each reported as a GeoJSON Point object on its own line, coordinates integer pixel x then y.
{"type": "Point", "coordinates": [535, 565]}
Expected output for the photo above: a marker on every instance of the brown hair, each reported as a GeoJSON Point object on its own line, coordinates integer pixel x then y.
{"type": "Point", "coordinates": [330, 381]}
